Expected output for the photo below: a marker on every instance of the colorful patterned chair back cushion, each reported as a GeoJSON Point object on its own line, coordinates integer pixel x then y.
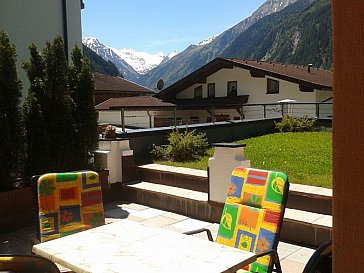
{"type": "Point", "coordinates": [253, 213]}
{"type": "Point", "coordinates": [26, 264]}
{"type": "Point", "coordinates": [69, 203]}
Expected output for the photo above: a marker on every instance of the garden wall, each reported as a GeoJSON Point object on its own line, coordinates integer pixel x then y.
{"type": "Point", "coordinates": [227, 131]}
{"type": "Point", "coordinates": [141, 140]}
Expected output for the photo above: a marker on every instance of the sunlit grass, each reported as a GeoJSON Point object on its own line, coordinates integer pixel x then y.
{"type": "Point", "coordinates": [305, 157]}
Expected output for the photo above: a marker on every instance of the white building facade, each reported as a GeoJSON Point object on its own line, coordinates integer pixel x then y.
{"type": "Point", "coordinates": [233, 89]}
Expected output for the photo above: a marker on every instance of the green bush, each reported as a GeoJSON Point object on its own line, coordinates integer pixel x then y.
{"type": "Point", "coordinates": [292, 124]}
{"type": "Point", "coordinates": [182, 146]}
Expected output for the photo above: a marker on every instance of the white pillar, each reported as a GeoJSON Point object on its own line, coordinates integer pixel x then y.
{"type": "Point", "coordinates": [109, 154]}
{"type": "Point", "coordinates": [226, 157]}
{"type": "Point", "coordinates": [124, 147]}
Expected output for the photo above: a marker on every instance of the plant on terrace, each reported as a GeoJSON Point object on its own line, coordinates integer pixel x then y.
{"type": "Point", "coordinates": [182, 146]}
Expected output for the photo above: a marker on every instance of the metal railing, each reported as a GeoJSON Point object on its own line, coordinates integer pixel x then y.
{"type": "Point", "coordinates": [175, 116]}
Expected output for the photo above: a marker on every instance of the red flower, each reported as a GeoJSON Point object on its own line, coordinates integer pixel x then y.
{"type": "Point", "coordinates": [263, 244]}
{"type": "Point", "coordinates": [66, 216]}
{"type": "Point", "coordinates": [231, 189]}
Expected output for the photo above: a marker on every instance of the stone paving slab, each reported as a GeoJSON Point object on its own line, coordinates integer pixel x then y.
{"type": "Point", "coordinates": [293, 258]}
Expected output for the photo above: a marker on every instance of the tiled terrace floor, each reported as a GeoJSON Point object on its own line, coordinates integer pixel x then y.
{"type": "Point", "coordinates": [293, 258]}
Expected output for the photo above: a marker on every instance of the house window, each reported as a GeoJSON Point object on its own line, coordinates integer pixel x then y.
{"type": "Point", "coordinates": [222, 117]}
{"type": "Point", "coordinates": [232, 88]}
{"type": "Point", "coordinates": [198, 92]}
{"type": "Point", "coordinates": [194, 120]}
{"type": "Point", "coordinates": [272, 86]}
{"type": "Point", "coordinates": [211, 90]}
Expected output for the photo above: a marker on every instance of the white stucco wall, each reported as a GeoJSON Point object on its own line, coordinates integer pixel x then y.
{"type": "Point", "coordinates": [132, 118]}
{"type": "Point", "coordinates": [38, 21]}
{"type": "Point", "coordinates": [141, 119]}
{"type": "Point", "coordinates": [256, 88]}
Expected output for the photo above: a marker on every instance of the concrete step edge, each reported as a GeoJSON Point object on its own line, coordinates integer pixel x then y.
{"type": "Point", "coordinates": [317, 219]}
{"type": "Point", "coordinates": [299, 227]}
{"type": "Point", "coordinates": [295, 188]}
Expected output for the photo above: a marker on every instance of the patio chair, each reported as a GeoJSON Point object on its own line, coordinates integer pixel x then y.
{"type": "Point", "coordinates": [252, 216]}
{"type": "Point", "coordinates": [321, 260]}
{"type": "Point", "coordinates": [26, 264]}
{"type": "Point", "coordinates": [67, 203]}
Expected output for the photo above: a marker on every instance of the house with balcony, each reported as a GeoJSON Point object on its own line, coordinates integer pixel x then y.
{"type": "Point", "coordinates": [230, 89]}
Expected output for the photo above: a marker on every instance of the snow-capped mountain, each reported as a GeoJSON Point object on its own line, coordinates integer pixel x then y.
{"type": "Point", "coordinates": [207, 41]}
{"type": "Point", "coordinates": [197, 55]}
{"type": "Point", "coordinates": [146, 69]}
{"type": "Point", "coordinates": [140, 62]}
{"type": "Point", "coordinates": [108, 54]}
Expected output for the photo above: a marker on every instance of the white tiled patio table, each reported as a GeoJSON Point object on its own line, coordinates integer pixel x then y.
{"type": "Point", "coordinates": [127, 246]}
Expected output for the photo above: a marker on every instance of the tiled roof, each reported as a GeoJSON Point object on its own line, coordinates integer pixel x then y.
{"type": "Point", "coordinates": [133, 102]}
{"type": "Point", "coordinates": [145, 102]}
{"type": "Point", "coordinates": [117, 84]}
{"type": "Point", "coordinates": [317, 78]}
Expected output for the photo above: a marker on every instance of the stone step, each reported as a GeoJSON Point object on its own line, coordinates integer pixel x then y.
{"type": "Point", "coordinates": [299, 227]}
{"type": "Point", "coordinates": [310, 198]}
{"type": "Point", "coordinates": [301, 197]}
{"type": "Point", "coordinates": [174, 176]}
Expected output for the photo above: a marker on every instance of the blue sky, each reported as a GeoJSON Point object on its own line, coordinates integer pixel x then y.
{"type": "Point", "coordinates": [161, 25]}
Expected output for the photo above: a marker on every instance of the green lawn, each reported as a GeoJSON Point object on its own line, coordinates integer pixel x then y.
{"type": "Point", "coordinates": [305, 157]}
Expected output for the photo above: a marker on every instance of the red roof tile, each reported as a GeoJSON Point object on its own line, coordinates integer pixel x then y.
{"type": "Point", "coordinates": [291, 72]}
{"type": "Point", "coordinates": [145, 102]}
{"type": "Point", "coordinates": [133, 102]}
{"type": "Point", "coordinates": [117, 84]}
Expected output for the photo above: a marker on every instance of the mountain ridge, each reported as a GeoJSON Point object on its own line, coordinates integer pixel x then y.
{"type": "Point", "coordinates": [128, 61]}
{"type": "Point", "coordinates": [287, 31]}
{"type": "Point", "coordinates": [194, 57]}
{"type": "Point", "coordinates": [299, 34]}
{"type": "Point", "coordinates": [108, 54]}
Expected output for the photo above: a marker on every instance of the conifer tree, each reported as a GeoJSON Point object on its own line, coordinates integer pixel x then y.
{"type": "Point", "coordinates": [59, 112]}
{"type": "Point", "coordinates": [48, 116]}
{"type": "Point", "coordinates": [10, 119]}
{"type": "Point", "coordinates": [82, 92]}
{"type": "Point", "coordinates": [38, 154]}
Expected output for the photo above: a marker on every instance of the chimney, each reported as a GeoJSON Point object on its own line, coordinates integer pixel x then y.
{"type": "Point", "coordinates": [309, 68]}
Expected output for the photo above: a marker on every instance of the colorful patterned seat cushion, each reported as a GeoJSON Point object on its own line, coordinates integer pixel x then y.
{"type": "Point", "coordinates": [24, 263]}
{"type": "Point", "coordinates": [253, 213]}
{"type": "Point", "coordinates": [69, 203]}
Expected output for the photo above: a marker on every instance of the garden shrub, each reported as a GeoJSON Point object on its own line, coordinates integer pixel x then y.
{"type": "Point", "coordinates": [292, 124]}
{"type": "Point", "coordinates": [182, 146]}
